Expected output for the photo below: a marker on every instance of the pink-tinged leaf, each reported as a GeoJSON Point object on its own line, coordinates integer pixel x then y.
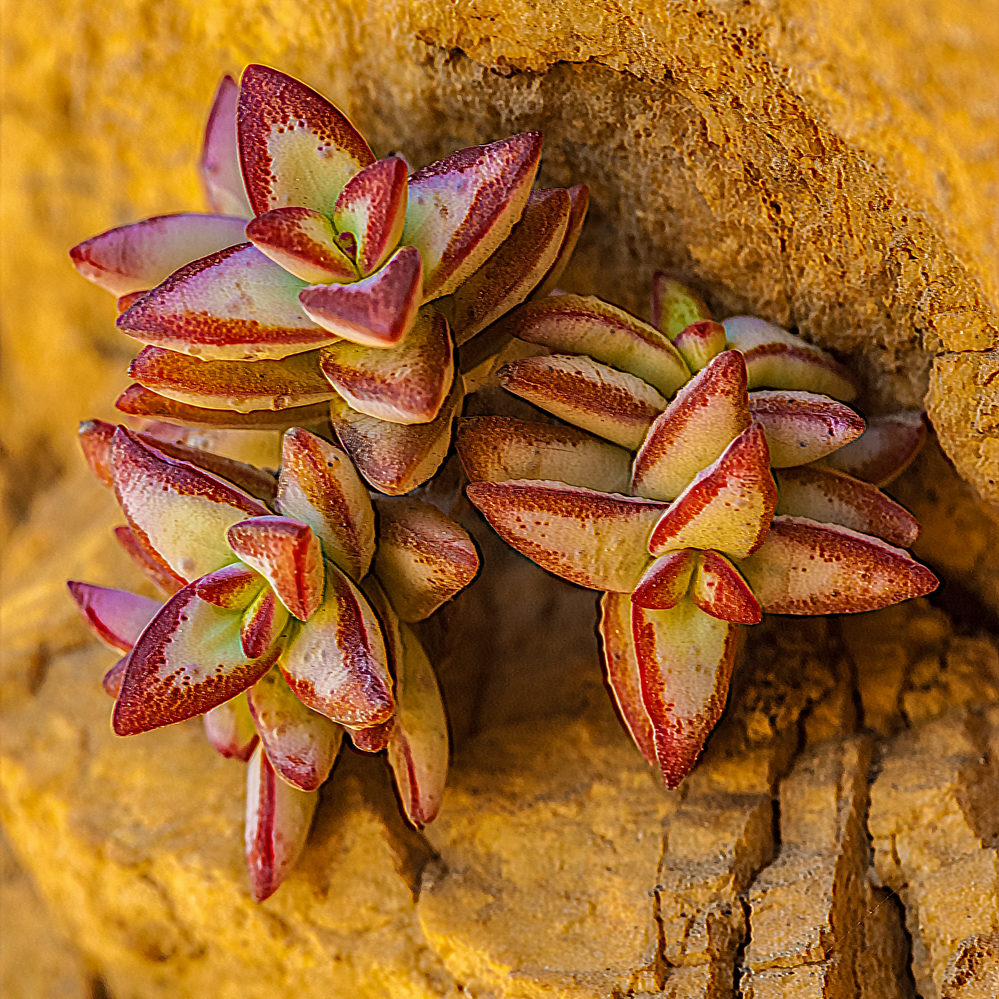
{"type": "Point", "coordinates": [188, 660]}
{"type": "Point", "coordinates": [233, 587]}
{"type": "Point", "coordinates": [706, 415]}
{"type": "Point", "coordinates": [620, 661]}
{"type": "Point", "coordinates": [288, 555]}
{"type": "Point", "coordinates": [805, 567]}
{"type": "Point", "coordinates": [579, 201]}
{"type": "Point", "coordinates": [423, 559]}
{"type": "Point", "coordinates": [221, 177]}
{"type": "Point", "coordinates": [111, 681]}
{"type": "Point", "coordinates": [319, 486]}
{"type": "Point", "coordinates": [779, 360]}
{"type": "Point", "coordinates": [139, 401]}
{"type": "Point", "coordinates": [577, 389]}
{"type": "Point", "coordinates": [801, 426]}
{"type": "Point", "coordinates": [296, 148]}
{"type": "Point", "coordinates": [139, 256]}
{"type": "Point", "coordinates": [497, 448]}
{"type": "Point", "coordinates": [700, 342]}
{"type": "Point", "coordinates": [304, 243]}
{"type": "Point", "coordinates": [666, 581]}
{"type": "Point", "coordinates": [394, 458]}
{"type": "Point", "coordinates": [675, 306]}
{"type": "Point", "coordinates": [230, 729]}
{"type": "Point", "coordinates": [234, 305]}
{"type": "Point", "coordinates": [262, 624]}
{"type": "Point", "coordinates": [578, 324]}
{"type": "Point", "coordinates": [372, 208]}
{"type": "Point", "coordinates": [727, 507]}
{"type": "Point", "coordinates": [300, 744]}
{"type": "Point", "coordinates": [685, 660]}
{"type": "Point", "coordinates": [594, 539]}
{"type": "Point", "coordinates": [374, 739]}
{"type": "Point", "coordinates": [884, 450]}
{"type": "Point", "coordinates": [116, 617]}
{"type": "Point", "coordinates": [462, 207]}
{"type": "Point", "coordinates": [720, 591]}
{"type": "Point", "coordinates": [377, 311]}
{"type": "Point", "coordinates": [278, 817]}
{"type": "Point", "coordinates": [178, 510]}
{"type": "Point", "coordinates": [832, 497]}
{"type": "Point", "coordinates": [407, 384]}
{"type": "Point", "coordinates": [154, 568]}
{"type": "Point", "coordinates": [124, 302]}
{"type": "Point", "coordinates": [95, 443]}
{"type": "Point", "coordinates": [244, 386]}
{"type": "Point", "coordinates": [338, 665]}
{"type": "Point", "coordinates": [521, 261]}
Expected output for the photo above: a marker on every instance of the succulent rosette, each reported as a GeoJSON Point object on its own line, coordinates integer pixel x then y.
{"type": "Point", "coordinates": [718, 474]}
{"type": "Point", "coordinates": [306, 294]}
{"type": "Point", "coordinates": [286, 623]}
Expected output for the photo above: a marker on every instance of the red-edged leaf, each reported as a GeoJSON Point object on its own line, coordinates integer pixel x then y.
{"type": "Point", "coordinates": [116, 617]}
{"type": "Point", "coordinates": [95, 443]}
{"type": "Point", "coordinates": [667, 580]}
{"type": "Point", "coordinates": [700, 342]}
{"type": "Point", "coordinates": [675, 306]}
{"type": "Point", "coordinates": [802, 426]}
{"type": "Point", "coordinates": [262, 624]}
{"type": "Point", "coordinates": [579, 201]}
{"type": "Point", "coordinates": [832, 497]}
{"type": "Point", "coordinates": [594, 539]}
{"type": "Point", "coordinates": [278, 817]}
{"type": "Point", "coordinates": [462, 207]}
{"type": "Point", "coordinates": [233, 587]}
{"type": "Point", "coordinates": [111, 681]}
{"type": "Point", "coordinates": [728, 506]}
{"type": "Point", "coordinates": [707, 414]}
{"type": "Point", "coordinates": [296, 148]}
{"type": "Point", "coordinates": [685, 660]}
{"type": "Point", "coordinates": [805, 567]}
{"type": "Point", "coordinates": [620, 661]}
{"type": "Point", "coordinates": [300, 744]}
{"type": "Point", "coordinates": [884, 450]}
{"type": "Point", "coordinates": [220, 174]}
{"type": "Point", "coordinates": [377, 311]}
{"type": "Point", "coordinates": [720, 591]}
{"type": "Point", "coordinates": [154, 568]}
{"type": "Point", "coordinates": [319, 486]}
{"type": "Point", "coordinates": [304, 243]}
{"type": "Point", "coordinates": [407, 384]}
{"type": "Point", "coordinates": [187, 661]}
{"type": "Point", "coordinates": [374, 739]}
{"type": "Point", "coordinates": [230, 729]}
{"type": "Point", "coordinates": [139, 256]}
{"type": "Point", "coordinates": [372, 208]}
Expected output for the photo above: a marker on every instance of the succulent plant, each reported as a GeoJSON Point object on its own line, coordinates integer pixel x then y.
{"type": "Point", "coordinates": [729, 482]}
{"type": "Point", "coordinates": [286, 622]}
{"type": "Point", "coordinates": [307, 291]}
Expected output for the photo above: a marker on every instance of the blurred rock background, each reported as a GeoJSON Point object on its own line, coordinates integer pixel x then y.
{"type": "Point", "coordinates": [833, 167]}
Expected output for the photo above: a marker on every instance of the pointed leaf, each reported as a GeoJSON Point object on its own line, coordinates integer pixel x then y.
{"type": "Point", "coordinates": [497, 448]}
{"type": "Point", "coordinates": [220, 173]}
{"type": "Point", "coordinates": [139, 256]}
{"type": "Point", "coordinates": [230, 729]}
{"type": "Point", "coordinates": [579, 201]}
{"type": "Point", "coordinates": [95, 443]}
{"type": "Point", "coordinates": [832, 497]}
{"type": "Point", "coordinates": [262, 624]}
{"type": "Point", "coordinates": [779, 360]}
{"type": "Point", "coordinates": [288, 555]}
{"type": "Point", "coordinates": [685, 660]}
{"type": "Point", "coordinates": [407, 384]}
{"type": "Point", "coordinates": [392, 457]}
{"type": "Point", "coordinates": [319, 486]}
{"type": "Point", "coordinates": [707, 414]}
{"type": "Point", "coordinates": [593, 539]}
{"type": "Point", "coordinates": [423, 559]}
{"type": "Point", "coordinates": [728, 506]}
{"type": "Point", "coordinates": [111, 681]}
{"type": "Point", "coordinates": [296, 148]}
{"type": "Point", "coordinates": [372, 208]}
{"type": "Point", "coordinates": [377, 311]}
{"type": "Point", "coordinates": [278, 817]}
{"type": "Point", "coordinates": [810, 568]}
{"type": "Point", "coordinates": [577, 324]}
{"type": "Point", "coordinates": [577, 389]}
{"type": "Point", "coordinates": [720, 591]}
{"type": "Point", "coordinates": [374, 739]}
{"type": "Point", "coordinates": [233, 587]}
{"type": "Point", "coordinates": [187, 661]}
{"type": "Point", "coordinates": [620, 662]}
{"type": "Point", "coordinates": [675, 306]}
{"type": "Point", "coordinates": [338, 665]}
{"type": "Point", "coordinates": [116, 617]}
{"type": "Point", "coordinates": [667, 580]}
{"type": "Point", "coordinates": [300, 744]}
{"type": "Point", "coordinates": [304, 243]}
{"type": "Point", "coordinates": [700, 342]}
{"type": "Point", "coordinates": [884, 450]}
{"type": "Point", "coordinates": [801, 426]}
{"type": "Point", "coordinates": [154, 568]}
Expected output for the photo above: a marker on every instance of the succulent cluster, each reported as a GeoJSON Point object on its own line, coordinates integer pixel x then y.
{"type": "Point", "coordinates": [729, 481]}
{"type": "Point", "coordinates": [307, 291]}
{"type": "Point", "coordinates": [285, 622]}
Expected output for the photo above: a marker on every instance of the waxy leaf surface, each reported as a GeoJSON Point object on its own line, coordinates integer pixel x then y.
{"type": "Point", "coordinates": [372, 208]}
{"type": "Point", "coordinates": [233, 587]}
{"type": "Point", "coordinates": [155, 568]}
{"type": "Point", "coordinates": [230, 729]}
{"type": "Point", "coordinates": [667, 580]}
{"type": "Point", "coordinates": [262, 623]}
{"type": "Point", "coordinates": [720, 591]}
{"type": "Point", "coordinates": [801, 426]}
{"type": "Point", "coordinates": [884, 450]}
{"type": "Point", "coordinates": [221, 176]}
{"type": "Point", "coordinates": [116, 617]}
{"type": "Point", "coordinates": [304, 243]}
{"type": "Point", "coordinates": [700, 342]}
{"type": "Point", "coordinates": [675, 306]}
{"type": "Point", "coordinates": [579, 202]}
